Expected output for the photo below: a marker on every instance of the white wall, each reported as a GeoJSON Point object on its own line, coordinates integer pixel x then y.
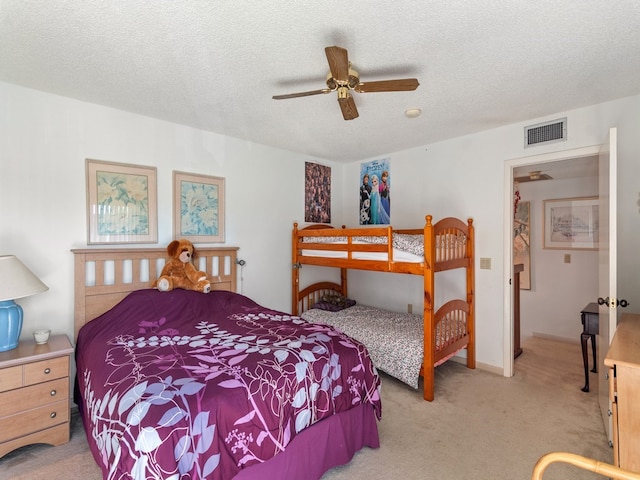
{"type": "Point", "coordinates": [559, 291]}
{"type": "Point", "coordinates": [44, 140]}
{"type": "Point", "coordinates": [463, 177]}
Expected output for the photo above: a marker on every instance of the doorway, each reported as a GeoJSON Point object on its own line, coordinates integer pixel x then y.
{"type": "Point", "coordinates": [562, 161]}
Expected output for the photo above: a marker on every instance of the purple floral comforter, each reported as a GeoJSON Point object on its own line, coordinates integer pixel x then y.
{"type": "Point", "coordinates": [182, 384]}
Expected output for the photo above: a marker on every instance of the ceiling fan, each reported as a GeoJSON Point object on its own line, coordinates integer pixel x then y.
{"type": "Point", "coordinates": [342, 78]}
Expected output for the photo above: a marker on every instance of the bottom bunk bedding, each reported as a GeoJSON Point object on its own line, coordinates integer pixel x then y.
{"type": "Point", "coordinates": [186, 385]}
{"type": "Point", "coordinates": [394, 340]}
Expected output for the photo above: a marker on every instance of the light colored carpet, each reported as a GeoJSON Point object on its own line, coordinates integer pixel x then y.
{"type": "Point", "coordinates": [480, 426]}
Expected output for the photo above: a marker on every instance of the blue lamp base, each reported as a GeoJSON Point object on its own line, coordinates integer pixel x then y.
{"type": "Point", "coordinates": [10, 325]}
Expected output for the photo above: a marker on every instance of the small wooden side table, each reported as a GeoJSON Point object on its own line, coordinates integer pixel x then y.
{"type": "Point", "coordinates": [517, 349]}
{"type": "Point", "coordinates": [590, 325]}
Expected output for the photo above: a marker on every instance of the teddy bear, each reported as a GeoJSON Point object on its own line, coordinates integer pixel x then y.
{"type": "Point", "coordinates": [179, 271]}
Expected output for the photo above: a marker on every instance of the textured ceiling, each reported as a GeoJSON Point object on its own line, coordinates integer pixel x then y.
{"type": "Point", "coordinates": [215, 64]}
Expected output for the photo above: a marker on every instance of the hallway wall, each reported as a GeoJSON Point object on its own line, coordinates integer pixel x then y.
{"type": "Point", "coordinates": [559, 290]}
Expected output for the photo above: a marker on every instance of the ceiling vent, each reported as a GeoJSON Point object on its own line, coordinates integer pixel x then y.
{"type": "Point", "coordinates": [548, 132]}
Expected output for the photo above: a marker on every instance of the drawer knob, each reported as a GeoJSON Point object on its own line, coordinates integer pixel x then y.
{"type": "Point", "coordinates": [47, 371]}
{"type": "Point", "coordinates": [53, 393]}
{"type": "Point", "coordinates": [53, 414]}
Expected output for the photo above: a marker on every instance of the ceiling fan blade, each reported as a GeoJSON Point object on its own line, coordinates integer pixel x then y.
{"type": "Point", "coordinates": [348, 107]}
{"type": "Point", "coordinates": [338, 59]}
{"type": "Point", "coordinates": [301, 94]}
{"type": "Point", "coordinates": [401, 85]}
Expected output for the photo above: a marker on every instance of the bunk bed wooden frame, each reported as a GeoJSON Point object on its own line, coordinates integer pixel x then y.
{"type": "Point", "coordinates": [448, 244]}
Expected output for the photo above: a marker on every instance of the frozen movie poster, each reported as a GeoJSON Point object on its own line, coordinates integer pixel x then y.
{"type": "Point", "coordinates": [317, 193]}
{"type": "Point", "coordinates": [375, 187]}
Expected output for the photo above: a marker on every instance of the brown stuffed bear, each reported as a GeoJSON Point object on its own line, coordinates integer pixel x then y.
{"type": "Point", "coordinates": [179, 271]}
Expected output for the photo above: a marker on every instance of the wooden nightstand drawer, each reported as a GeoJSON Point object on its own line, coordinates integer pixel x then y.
{"type": "Point", "coordinates": [34, 396]}
{"type": "Point", "coordinates": [46, 370]}
{"type": "Point", "coordinates": [34, 393]}
{"type": "Point", "coordinates": [34, 420]}
{"type": "Point", "coordinates": [10, 378]}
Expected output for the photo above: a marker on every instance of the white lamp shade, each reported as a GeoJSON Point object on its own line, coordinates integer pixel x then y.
{"type": "Point", "coordinates": [16, 280]}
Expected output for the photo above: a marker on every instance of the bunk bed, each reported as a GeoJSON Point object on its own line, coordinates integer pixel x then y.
{"type": "Point", "coordinates": [184, 384]}
{"type": "Point", "coordinates": [445, 245]}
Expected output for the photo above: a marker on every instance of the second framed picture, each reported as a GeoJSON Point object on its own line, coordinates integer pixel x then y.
{"type": "Point", "coordinates": [198, 207]}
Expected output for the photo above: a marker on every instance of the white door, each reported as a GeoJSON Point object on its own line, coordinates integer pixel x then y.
{"type": "Point", "coordinates": [607, 258]}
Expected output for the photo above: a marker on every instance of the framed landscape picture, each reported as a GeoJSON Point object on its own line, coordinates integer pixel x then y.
{"type": "Point", "coordinates": [198, 207]}
{"type": "Point", "coordinates": [571, 223]}
{"type": "Point", "coordinates": [121, 203]}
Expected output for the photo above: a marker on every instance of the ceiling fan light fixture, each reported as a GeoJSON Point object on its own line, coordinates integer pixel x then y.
{"type": "Point", "coordinates": [343, 92]}
{"type": "Point", "coordinates": [342, 78]}
{"type": "Point", "coordinates": [535, 175]}
{"type": "Point", "coordinates": [354, 78]}
{"type": "Point", "coordinates": [331, 82]}
{"type": "Point", "coordinates": [412, 112]}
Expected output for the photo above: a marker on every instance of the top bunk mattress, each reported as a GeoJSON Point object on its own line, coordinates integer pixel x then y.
{"type": "Point", "coordinates": [406, 248]}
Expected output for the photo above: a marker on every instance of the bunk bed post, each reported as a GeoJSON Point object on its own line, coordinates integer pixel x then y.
{"type": "Point", "coordinates": [428, 370]}
{"type": "Point", "coordinates": [343, 281]}
{"type": "Point", "coordinates": [471, 347]}
{"type": "Point", "coordinates": [295, 271]}
{"type": "Point", "coordinates": [343, 277]}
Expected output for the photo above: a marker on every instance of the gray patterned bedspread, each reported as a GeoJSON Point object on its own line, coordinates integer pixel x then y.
{"type": "Point", "coordinates": [394, 340]}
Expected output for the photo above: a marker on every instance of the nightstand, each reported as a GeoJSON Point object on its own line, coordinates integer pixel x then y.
{"type": "Point", "coordinates": [34, 393]}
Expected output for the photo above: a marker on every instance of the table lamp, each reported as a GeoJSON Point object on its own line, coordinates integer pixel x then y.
{"type": "Point", "coordinates": [16, 281]}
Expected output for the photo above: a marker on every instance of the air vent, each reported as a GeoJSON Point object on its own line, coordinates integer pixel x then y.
{"type": "Point", "coordinates": [555, 131]}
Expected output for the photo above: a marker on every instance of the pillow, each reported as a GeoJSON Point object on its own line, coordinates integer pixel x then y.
{"type": "Point", "coordinates": [333, 303]}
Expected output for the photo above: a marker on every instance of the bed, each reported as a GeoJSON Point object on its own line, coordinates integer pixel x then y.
{"type": "Point", "coordinates": [445, 245]}
{"type": "Point", "coordinates": [182, 384]}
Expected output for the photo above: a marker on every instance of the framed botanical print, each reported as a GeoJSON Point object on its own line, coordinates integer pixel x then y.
{"type": "Point", "coordinates": [121, 203]}
{"type": "Point", "coordinates": [198, 207]}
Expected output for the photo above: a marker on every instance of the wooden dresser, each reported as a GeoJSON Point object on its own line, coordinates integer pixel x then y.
{"type": "Point", "coordinates": [34, 393]}
{"type": "Point", "coordinates": [623, 361]}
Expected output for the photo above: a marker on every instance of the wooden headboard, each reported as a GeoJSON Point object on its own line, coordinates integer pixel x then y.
{"type": "Point", "coordinates": [103, 277]}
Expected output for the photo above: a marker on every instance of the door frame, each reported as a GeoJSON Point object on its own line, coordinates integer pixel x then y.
{"type": "Point", "coordinates": [509, 166]}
